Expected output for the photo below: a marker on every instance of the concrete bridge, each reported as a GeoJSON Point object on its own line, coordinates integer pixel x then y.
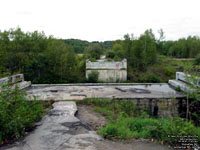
{"type": "Point", "coordinates": [145, 96]}
{"type": "Point", "coordinates": [102, 90]}
{"type": "Point", "coordinates": [61, 129]}
{"type": "Point", "coordinates": [150, 96]}
{"type": "Point", "coordinates": [97, 90]}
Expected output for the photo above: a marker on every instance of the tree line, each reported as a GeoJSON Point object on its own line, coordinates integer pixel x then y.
{"type": "Point", "coordinates": [42, 59]}
{"type": "Point", "coordinates": [45, 59]}
{"type": "Point", "coordinates": [183, 48]}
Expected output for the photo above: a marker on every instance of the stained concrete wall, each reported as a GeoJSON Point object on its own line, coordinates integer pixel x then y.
{"type": "Point", "coordinates": [108, 71]}
{"type": "Point", "coordinates": [16, 80]}
{"type": "Point", "coordinates": [12, 79]}
{"type": "Point", "coordinates": [159, 107]}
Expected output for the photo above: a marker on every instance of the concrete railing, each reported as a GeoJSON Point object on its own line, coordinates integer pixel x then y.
{"type": "Point", "coordinates": [15, 80]}
{"type": "Point", "coordinates": [106, 65]}
{"type": "Point", "coordinates": [184, 82]}
{"type": "Point", "coordinates": [187, 78]}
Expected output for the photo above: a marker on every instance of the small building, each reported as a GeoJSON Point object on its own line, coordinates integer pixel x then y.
{"type": "Point", "coordinates": [108, 71]}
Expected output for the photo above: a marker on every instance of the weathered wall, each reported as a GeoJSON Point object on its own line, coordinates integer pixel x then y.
{"type": "Point", "coordinates": [108, 71]}
{"type": "Point", "coordinates": [16, 80]}
{"type": "Point", "coordinates": [12, 79]}
{"type": "Point", "coordinates": [165, 107]}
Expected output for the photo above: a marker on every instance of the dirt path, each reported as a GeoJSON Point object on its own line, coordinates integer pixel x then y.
{"type": "Point", "coordinates": [94, 120]}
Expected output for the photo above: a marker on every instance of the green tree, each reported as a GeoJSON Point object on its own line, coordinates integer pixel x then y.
{"type": "Point", "coordinates": [94, 51]}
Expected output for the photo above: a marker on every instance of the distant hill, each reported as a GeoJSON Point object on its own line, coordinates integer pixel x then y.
{"type": "Point", "coordinates": [80, 45]}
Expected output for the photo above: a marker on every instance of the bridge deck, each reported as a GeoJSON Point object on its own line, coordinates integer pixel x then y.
{"type": "Point", "coordinates": [119, 91]}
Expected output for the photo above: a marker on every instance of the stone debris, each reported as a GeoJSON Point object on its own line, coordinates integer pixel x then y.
{"type": "Point", "coordinates": [59, 130]}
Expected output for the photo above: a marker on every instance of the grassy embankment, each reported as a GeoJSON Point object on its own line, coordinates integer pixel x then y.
{"type": "Point", "coordinates": [163, 70]}
{"type": "Point", "coordinates": [126, 122]}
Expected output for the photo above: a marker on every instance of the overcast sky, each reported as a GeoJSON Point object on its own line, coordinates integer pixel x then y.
{"type": "Point", "coordinates": [102, 19]}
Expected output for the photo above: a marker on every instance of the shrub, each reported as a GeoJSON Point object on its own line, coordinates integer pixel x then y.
{"type": "Point", "coordinates": [169, 71]}
{"type": "Point", "coordinates": [17, 114]}
{"type": "Point", "coordinates": [149, 78]}
{"type": "Point", "coordinates": [127, 128]}
{"type": "Point", "coordinates": [112, 108]}
{"type": "Point", "coordinates": [197, 60]}
{"type": "Point", "coordinates": [110, 54]}
{"type": "Point", "coordinates": [126, 122]}
{"type": "Point", "coordinates": [117, 58]}
{"type": "Point", "coordinates": [93, 77]}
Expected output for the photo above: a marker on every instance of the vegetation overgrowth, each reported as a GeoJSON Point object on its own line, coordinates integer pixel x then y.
{"type": "Point", "coordinates": [45, 59]}
{"type": "Point", "coordinates": [126, 122]}
{"type": "Point", "coordinates": [17, 114]}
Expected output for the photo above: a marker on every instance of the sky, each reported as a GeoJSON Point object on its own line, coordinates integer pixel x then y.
{"type": "Point", "coordinates": [101, 20]}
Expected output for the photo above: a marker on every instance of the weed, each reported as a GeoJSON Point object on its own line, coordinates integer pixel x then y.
{"type": "Point", "coordinates": [17, 114]}
{"type": "Point", "coordinates": [127, 123]}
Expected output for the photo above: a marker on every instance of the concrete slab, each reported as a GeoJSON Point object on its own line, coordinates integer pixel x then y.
{"type": "Point", "coordinates": [69, 92]}
{"type": "Point", "coordinates": [59, 130]}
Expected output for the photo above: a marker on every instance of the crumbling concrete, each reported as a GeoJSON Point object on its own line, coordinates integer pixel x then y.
{"type": "Point", "coordinates": [59, 130]}
{"type": "Point", "coordinates": [15, 80]}
{"type": "Point", "coordinates": [184, 82]}
{"type": "Point", "coordinates": [134, 91]}
{"type": "Point", "coordinates": [147, 96]}
{"type": "Point", "coordinates": [108, 71]}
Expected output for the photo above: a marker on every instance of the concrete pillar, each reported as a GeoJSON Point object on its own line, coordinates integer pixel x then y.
{"type": "Point", "coordinates": [150, 107]}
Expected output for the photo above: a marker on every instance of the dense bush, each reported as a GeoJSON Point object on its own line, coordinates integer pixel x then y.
{"type": "Point", "coordinates": [110, 54]}
{"type": "Point", "coordinates": [149, 78]}
{"type": "Point", "coordinates": [127, 128]}
{"type": "Point", "coordinates": [93, 77]}
{"type": "Point", "coordinates": [113, 108]}
{"type": "Point", "coordinates": [17, 114]}
{"type": "Point", "coordinates": [169, 71]}
{"type": "Point", "coordinates": [126, 122]}
{"type": "Point", "coordinates": [197, 60]}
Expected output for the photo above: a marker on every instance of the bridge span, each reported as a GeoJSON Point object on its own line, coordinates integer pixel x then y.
{"type": "Point", "coordinates": [102, 90]}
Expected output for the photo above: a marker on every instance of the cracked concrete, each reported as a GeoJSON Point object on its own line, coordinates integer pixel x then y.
{"type": "Point", "coordinates": [137, 91]}
{"type": "Point", "coordinates": [59, 130]}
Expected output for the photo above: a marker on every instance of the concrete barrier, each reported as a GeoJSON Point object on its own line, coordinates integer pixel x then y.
{"type": "Point", "coordinates": [108, 71]}
{"type": "Point", "coordinates": [13, 79]}
{"type": "Point", "coordinates": [16, 80]}
{"type": "Point", "coordinates": [187, 78]}
{"type": "Point", "coordinates": [184, 82]}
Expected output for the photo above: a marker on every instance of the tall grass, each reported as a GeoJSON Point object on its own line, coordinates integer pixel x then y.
{"type": "Point", "coordinates": [126, 122]}
{"type": "Point", "coordinates": [17, 114]}
{"type": "Point", "coordinates": [160, 129]}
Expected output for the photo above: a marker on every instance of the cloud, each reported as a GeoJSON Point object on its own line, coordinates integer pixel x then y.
{"type": "Point", "coordinates": [102, 19]}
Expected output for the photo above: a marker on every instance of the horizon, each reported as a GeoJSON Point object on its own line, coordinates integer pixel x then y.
{"type": "Point", "coordinates": [122, 38]}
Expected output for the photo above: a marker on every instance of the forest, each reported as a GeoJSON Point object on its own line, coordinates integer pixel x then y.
{"type": "Point", "coordinates": [45, 59]}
